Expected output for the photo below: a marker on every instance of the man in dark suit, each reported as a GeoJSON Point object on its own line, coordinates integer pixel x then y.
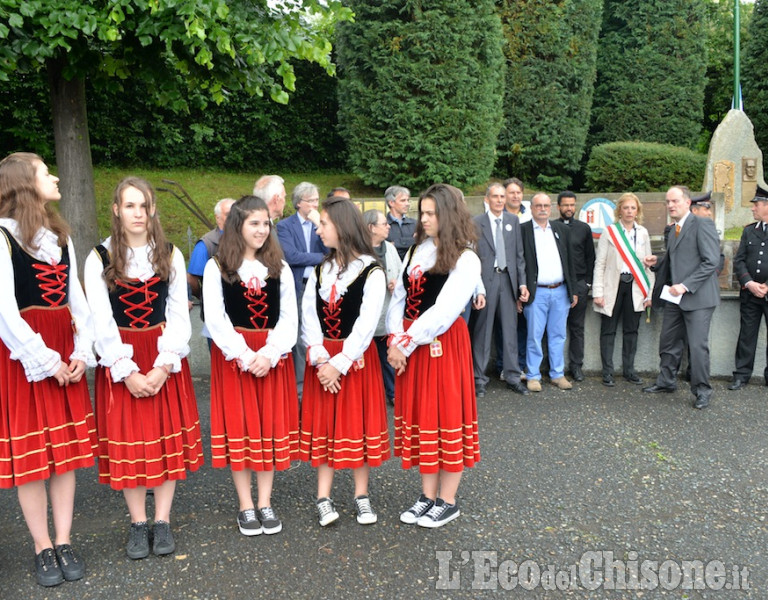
{"type": "Point", "coordinates": [500, 249]}
{"type": "Point", "coordinates": [303, 250]}
{"type": "Point", "coordinates": [552, 291]}
{"type": "Point", "coordinates": [582, 249]}
{"type": "Point", "coordinates": [751, 267]}
{"type": "Point", "coordinates": [689, 270]}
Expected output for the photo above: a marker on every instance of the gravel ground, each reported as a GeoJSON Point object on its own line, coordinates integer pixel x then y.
{"type": "Point", "coordinates": [568, 483]}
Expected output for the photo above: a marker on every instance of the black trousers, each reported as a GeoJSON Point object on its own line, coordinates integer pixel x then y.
{"type": "Point", "coordinates": [576, 317]}
{"type": "Point", "coordinates": [752, 311]}
{"type": "Point", "coordinates": [624, 311]}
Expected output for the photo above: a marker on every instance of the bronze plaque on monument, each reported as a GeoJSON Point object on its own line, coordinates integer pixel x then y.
{"type": "Point", "coordinates": [748, 180]}
{"type": "Point", "coordinates": [724, 180]}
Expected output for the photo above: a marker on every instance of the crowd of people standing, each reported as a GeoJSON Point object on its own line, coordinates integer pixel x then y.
{"type": "Point", "coordinates": [315, 323]}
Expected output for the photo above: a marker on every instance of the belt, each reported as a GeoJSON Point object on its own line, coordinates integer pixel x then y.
{"type": "Point", "coordinates": [551, 287]}
{"type": "Point", "coordinates": [504, 270]}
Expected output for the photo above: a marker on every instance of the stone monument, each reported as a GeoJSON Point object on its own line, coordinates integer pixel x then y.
{"type": "Point", "coordinates": [734, 167]}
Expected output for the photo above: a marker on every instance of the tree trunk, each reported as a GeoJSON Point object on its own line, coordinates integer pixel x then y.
{"type": "Point", "coordinates": [73, 158]}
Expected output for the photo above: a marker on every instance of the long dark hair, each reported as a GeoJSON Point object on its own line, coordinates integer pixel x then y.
{"type": "Point", "coordinates": [353, 236]}
{"type": "Point", "coordinates": [232, 246]}
{"type": "Point", "coordinates": [456, 230]}
{"type": "Point", "coordinates": [161, 250]}
{"type": "Point", "coordinates": [20, 200]}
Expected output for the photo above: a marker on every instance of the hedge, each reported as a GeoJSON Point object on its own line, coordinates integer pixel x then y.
{"type": "Point", "coordinates": [643, 167]}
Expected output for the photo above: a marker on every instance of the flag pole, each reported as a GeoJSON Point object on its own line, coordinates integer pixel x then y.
{"type": "Point", "coordinates": [737, 99]}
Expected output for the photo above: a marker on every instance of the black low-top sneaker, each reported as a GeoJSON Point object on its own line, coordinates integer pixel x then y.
{"type": "Point", "coordinates": [270, 524]}
{"type": "Point", "coordinates": [440, 514]}
{"type": "Point", "coordinates": [326, 511]}
{"type": "Point", "coordinates": [418, 510]}
{"type": "Point", "coordinates": [248, 522]}
{"type": "Point", "coordinates": [138, 541]}
{"type": "Point", "coordinates": [70, 562]}
{"type": "Point", "coordinates": [47, 569]}
{"type": "Point", "coordinates": [162, 538]}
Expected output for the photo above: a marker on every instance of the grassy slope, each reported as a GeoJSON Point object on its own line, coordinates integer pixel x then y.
{"type": "Point", "coordinates": [206, 187]}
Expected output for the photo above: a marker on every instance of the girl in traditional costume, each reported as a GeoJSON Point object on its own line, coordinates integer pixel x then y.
{"type": "Point", "coordinates": [343, 416]}
{"type": "Point", "coordinates": [149, 430]}
{"type": "Point", "coordinates": [47, 427]}
{"type": "Point", "coordinates": [435, 408]}
{"type": "Point", "coordinates": [251, 313]}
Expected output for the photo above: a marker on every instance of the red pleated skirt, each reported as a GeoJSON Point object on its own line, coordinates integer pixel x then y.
{"type": "Point", "coordinates": [44, 429]}
{"type": "Point", "coordinates": [349, 429]}
{"type": "Point", "coordinates": [435, 408]}
{"type": "Point", "coordinates": [254, 420]}
{"type": "Point", "coordinates": [146, 441]}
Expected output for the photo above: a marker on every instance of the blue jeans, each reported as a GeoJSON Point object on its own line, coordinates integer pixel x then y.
{"type": "Point", "coordinates": [548, 311]}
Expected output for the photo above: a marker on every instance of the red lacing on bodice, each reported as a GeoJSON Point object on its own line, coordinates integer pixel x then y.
{"type": "Point", "coordinates": [257, 304]}
{"type": "Point", "coordinates": [53, 282]}
{"type": "Point", "coordinates": [415, 292]}
{"type": "Point", "coordinates": [332, 312]}
{"type": "Point", "coordinates": [138, 311]}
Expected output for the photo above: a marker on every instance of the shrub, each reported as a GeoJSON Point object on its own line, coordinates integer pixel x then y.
{"type": "Point", "coordinates": [551, 49]}
{"type": "Point", "coordinates": [420, 91]}
{"type": "Point", "coordinates": [651, 72]}
{"type": "Point", "coordinates": [755, 73]}
{"type": "Point", "coordinates": [643, 167]}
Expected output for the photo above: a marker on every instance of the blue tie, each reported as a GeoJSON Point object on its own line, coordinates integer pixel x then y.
{"type": "Point", "coordinates": [308, 235]}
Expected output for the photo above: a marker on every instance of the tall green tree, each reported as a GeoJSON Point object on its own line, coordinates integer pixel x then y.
{"type": "Point", "coordinates": [213, 46]}
{"type": "Point", "coordinates": [651, 66]}
{"type": "Point", "coordinates": [754, 73]}
{"type": "Point", "coordinates": [420, 90]}
{"type": "Point", "coordinates": [551, 52]}
{"type": "Point", "coordinates": [718, 92]}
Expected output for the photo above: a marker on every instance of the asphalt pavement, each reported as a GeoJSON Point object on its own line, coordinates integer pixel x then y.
{"type": "Point", "coordinates": [578, 493]}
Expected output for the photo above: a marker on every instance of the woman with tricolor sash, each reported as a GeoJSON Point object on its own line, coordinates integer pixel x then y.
{"type": "Point", "coordinates": [622, 286]}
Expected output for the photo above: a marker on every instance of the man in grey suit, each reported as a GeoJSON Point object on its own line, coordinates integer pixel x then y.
{"type": "Point", "coordinates": [689, 270]}
{"type": "Point", "coordinates": [500, 249]}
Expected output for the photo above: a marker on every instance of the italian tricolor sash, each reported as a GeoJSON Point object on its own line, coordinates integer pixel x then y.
{"type": "Point", "coordinates": [630, 259]}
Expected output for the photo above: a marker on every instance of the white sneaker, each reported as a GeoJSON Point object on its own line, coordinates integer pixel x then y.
{"type": "Point", "coordinates": [365, 514]}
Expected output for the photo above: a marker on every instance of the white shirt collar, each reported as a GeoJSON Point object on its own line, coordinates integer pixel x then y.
{"type": "Point", "coordinates": [681, 221]}
{"type": "Point", "coordinates": [329, 276]}
{"type": "Point", "coordinates": [46, 241]}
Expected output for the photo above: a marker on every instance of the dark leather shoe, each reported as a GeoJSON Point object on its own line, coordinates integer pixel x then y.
{"type": "Point", "coordinates": [737, 384]}
{"type": "Point", "coordinates": [633, 378]}
{"type": "Point", "coordinates": [657, 389]}
{"type": "Point", "coordinates": [608, 381]}
{"type": "Point", "coordinates": [518, 388]}
{"type": "Point", "coordinates": [577, 373]}
{"type": "Point", "coordinates": [702, 400]}
{"type": "Point", "coordinates": [480, 392]}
